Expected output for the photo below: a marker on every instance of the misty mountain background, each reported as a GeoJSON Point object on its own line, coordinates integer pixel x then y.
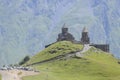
{"type": "Point", "coordinates": [26, 26]}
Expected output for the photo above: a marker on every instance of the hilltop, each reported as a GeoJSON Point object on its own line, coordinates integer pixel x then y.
{"type": "Point", "coordinates": [93, 65]}
{"type": "Point", "coordinates": [57, 49]}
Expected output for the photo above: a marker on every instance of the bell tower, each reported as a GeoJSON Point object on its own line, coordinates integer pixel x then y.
{"type": "Point", "coordinates": [85, 38]}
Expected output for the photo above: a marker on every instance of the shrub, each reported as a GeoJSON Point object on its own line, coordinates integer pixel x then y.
{"type": "Point", "coordinates": [27, 58]}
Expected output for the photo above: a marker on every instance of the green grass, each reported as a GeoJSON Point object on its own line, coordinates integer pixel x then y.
{"type": "Point", "coordinates": [54, 50]}
{"type": "Point", "coordinates": [95, 65]}
{"type": "Point", "coordinates": [0, 77]}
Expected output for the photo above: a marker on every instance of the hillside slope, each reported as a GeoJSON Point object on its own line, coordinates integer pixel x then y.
{"type": "Point", "coordinates": [0, 77]}
{"type": "Point", "coordinates": [60, 48]}
{"type": "Point", "coordinates": [94, 65]}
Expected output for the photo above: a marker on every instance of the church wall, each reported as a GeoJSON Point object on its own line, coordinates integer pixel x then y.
{"type": "Point", "coordinates": [104, 47]}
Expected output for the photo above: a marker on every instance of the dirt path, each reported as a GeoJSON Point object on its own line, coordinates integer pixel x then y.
{"type": "Point", "coordinates": [16, 74]}
{"type": "Point", "coordinates": [8, 75]}
{"type": "Point", "coordinates": [86, 48]}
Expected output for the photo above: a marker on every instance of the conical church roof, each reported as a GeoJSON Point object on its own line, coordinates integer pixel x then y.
{"type": "Point", "coordinates": [64, 26]}
{"type": "Point", "coordinates": [85, 29]}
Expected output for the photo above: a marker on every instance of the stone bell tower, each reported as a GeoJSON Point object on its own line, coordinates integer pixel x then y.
{"type": "Point", "coordinates": [85, 38]}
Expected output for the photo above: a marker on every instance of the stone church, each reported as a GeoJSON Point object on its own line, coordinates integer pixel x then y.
{"type": "Point", "coordinates": [65, 35]}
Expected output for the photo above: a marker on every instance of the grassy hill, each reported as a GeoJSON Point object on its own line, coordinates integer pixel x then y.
{"type": "Point", "coordinates": [54, 50]}
{"type": "Point", "coordinates": [95, 65]}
